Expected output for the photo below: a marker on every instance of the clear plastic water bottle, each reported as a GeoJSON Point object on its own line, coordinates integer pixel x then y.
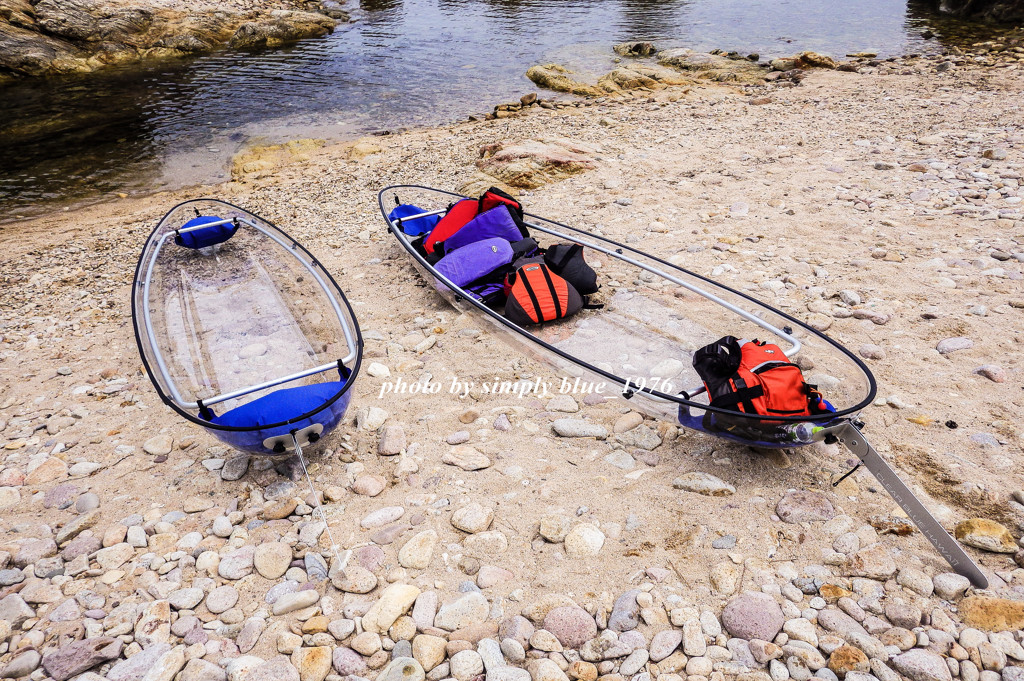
{"type": "Point", "coordinates": [802, 432]}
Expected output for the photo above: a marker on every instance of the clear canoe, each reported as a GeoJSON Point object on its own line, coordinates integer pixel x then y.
{"type": "Point", "coordinates": [654, 316]}
{"type": "Point", "coordinates": [242, 330]}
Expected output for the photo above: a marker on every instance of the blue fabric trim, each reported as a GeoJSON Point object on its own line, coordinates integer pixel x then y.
{"type": "Point", "coordinates": [280, 405]}
{"type": "Point", "coordinates": [252, 440]}
{"type": "Point", "coordinates": [210, 236]}
{"type": "Point", "coordinates": [415, 227]}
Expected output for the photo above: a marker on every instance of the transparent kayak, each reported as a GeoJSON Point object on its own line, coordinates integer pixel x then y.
{"type": "Point", "coordinates": [640, 342]}
{"type": "Point", "coordinates": [242, 330]}
{"type": "Point", "coordinates": [654, 316]}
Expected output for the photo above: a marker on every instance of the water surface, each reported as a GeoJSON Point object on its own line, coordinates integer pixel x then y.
{"type": "Point", "coordinates": [400, 63]}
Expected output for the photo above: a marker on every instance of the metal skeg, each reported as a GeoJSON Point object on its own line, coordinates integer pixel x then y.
{"type": "Point", "coordinates": [850, 436]}
{"type": "Point", "coordinates": [339, 564]}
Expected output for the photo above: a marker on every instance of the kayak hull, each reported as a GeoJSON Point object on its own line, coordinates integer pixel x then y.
{"type": "Point", "coordinates": [241, 330]}
{"type": "Point", "coordinates": [655, 315]}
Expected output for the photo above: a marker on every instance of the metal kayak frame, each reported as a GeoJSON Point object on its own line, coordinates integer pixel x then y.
{"type": "Point", "coordinates": [841, 427]}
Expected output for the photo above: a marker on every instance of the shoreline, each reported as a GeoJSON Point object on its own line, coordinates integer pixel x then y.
{"type": "Point", "coordinates": [875, 205]}
{"type": "Point", "coordinates": [568, 92]}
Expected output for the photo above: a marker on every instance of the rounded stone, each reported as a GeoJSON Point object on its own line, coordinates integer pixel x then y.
{"type": "Point", "coordinates": [472, 518]}
{"type": "Point", "coordinates": [402, 669]}
{"type": "Point", "coordinates": [554, 527]}
{"type": "Point", "coordinates": [417, 552]}
{"type": "Point", "coordinates": [355, 579]}
{"type": "Point", "coordinates": [221, 599]}
{"type": "Point", "coordinates": [87, 502]}
{"type": "Point", "coordinates": [466, 664]}
{"type": "Point", "coordinates": [572, 625]}
{"type": "Point", "coordinates": [753, 615]}
{"type": "Point", "coordinates": [584, 540]}
{"type": "Point", "coordinates": [272, 559]}
{"type": "Point", "coordinates": [158, 445]}
{"type": "Point", "coordinates": [348, 662]}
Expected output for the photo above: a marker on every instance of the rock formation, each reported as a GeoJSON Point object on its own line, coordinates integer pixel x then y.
{"type": "Point", "coordinates": [54, 37]}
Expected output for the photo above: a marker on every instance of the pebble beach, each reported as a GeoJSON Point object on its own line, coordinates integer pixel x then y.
{"type": "Point", "coordinates": [503, 538]}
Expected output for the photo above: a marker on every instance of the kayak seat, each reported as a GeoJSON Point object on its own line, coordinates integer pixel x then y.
{"type": "Point", "coordinates": [206, 236]}
{"type": "Point", "coordinates": [281, 405]}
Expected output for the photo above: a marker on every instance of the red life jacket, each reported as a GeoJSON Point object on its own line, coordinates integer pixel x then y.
{"type": "Point", "coordinates": [455, 219]}
{"type": "Point", "coordinates": [495, 197]}
{"type": "Point", "coordinates": [754, 377]}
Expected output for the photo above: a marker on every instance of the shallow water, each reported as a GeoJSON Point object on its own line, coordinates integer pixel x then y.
{"type": "Point", "coordinates": [399, 64]}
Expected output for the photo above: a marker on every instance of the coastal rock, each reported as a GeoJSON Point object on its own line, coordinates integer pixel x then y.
{"type": "Point", "coordinates": [985, 534]}
{"type": "Point", "coordinates": [634, 49]}
{"type": "Point", "coordinates": [285, 27]}
{"type": "Point", "coordinates": [712, 66]}
{"type": "Point", "coordinates": [531, 163]}
{"type": "Point", "coordinates": [558, 78]}
{"type": "Point", "coordinates": [634, 76]}
{"type": "Point", "coordinates": [992, 614]}
{"type": "Point", "coordinates": [259, 158]}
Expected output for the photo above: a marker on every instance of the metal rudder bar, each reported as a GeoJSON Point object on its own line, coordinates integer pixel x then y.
{"type": "Point", "coordinates": [277, 381]}
{"type": "Point", "coordinates": [850, 436]}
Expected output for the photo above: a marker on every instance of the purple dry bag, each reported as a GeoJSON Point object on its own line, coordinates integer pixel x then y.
{"type": "Point", "coordinates": [467, 264]}
{"type": "Point", "coordinates": [497, 222]}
